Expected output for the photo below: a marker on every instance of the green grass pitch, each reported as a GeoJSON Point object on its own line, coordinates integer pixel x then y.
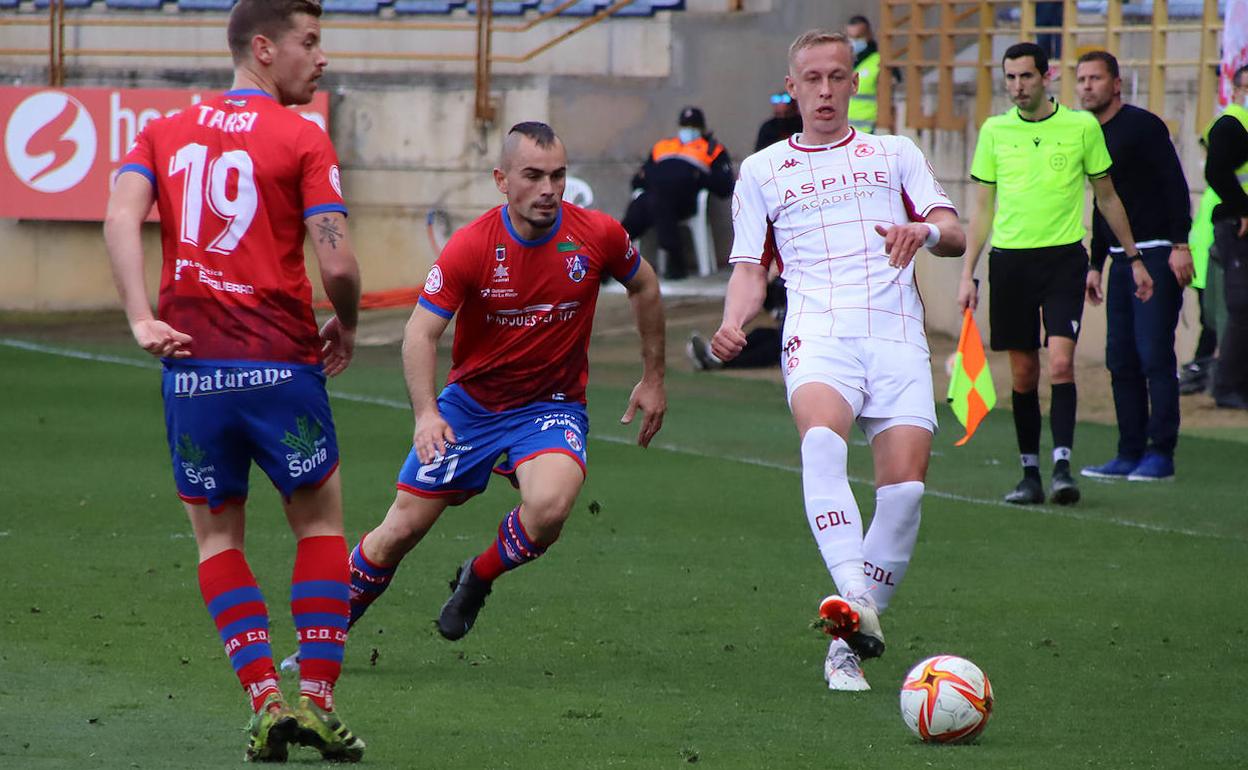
{"type": "Point", "coordinates": [668, 627]}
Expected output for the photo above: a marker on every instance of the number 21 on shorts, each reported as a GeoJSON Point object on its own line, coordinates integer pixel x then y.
{"type": "Point", "coordinates": [426, 472]}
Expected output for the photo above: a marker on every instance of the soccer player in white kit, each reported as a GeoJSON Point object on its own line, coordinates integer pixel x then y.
{"type": "Point", "coordinates": [844, 214]}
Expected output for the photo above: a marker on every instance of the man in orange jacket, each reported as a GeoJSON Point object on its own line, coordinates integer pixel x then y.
{"type": "Point", "coordinates": [679, 167]}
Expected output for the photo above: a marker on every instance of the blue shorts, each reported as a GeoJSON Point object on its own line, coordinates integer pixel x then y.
{"type": "Point", "coordinates": [221, 415]}
{"type": "Point", "coordinates": [483, 437]}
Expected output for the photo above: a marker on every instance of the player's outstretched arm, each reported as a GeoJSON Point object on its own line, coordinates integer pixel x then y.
{"type": "Point", "coordinates": [128, 205]}
{"type": "Point", "coordinates": [1110, 204]}
{"type": "Point", "coordinates": [649, 394]}
{"type": "Point", "coordinates": [941, 233]}
{"type": "Point", "coordinates": [340, 275]}
{"type": "Point", "coordinates": [747, 288]}
{"type": "Point", "coordinates": [420, 365]}
{"type": "Point", "coordinates": [982, 209]}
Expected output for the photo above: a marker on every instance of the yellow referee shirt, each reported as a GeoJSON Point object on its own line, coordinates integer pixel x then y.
{"type": "Point", "coordinates": [1038, 167]}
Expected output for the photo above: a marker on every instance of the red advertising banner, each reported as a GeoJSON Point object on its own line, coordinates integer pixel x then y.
{"type": "Point", "coordinates": [62, 146]}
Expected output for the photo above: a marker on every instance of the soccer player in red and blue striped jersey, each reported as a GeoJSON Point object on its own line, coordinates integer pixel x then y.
{"type": "Point", "coordinates": [523, 281]}
{"type": "Point", "coordinates": [238, 181]}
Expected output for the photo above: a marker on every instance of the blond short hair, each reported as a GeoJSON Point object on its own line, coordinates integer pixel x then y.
{"type": "Point", "coordinates": [813, 37]}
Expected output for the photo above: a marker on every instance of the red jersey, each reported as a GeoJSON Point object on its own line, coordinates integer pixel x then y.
{"type": "Point", "coordinates": [526, 308]}
{"type": "Point", "coordinates": [235, 178]}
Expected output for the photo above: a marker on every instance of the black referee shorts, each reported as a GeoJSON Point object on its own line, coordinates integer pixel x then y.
{"type": "Point", "coordinates": [1023, 284]}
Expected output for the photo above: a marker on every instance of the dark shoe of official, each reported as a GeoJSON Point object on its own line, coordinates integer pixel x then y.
{"type": "Point", "coordinates": [1063, 491]}
{"type": "Point", "coordinates": [1194, 376]}
{"type": "Point", "coordinates": [1118, 468]}
{"type": "Point", "coordinates": [468, 594]}
{"type": "Point", "coordinates": [1154, 467]}
{"type": "Point", "coordinates": [700, 355]}
{"type": "Point", "coordinates": [1028, 492]}
{"type": "Point", "coordinates": [1231, 401]}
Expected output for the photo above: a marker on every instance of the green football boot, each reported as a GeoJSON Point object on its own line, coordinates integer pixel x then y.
{"type": "Point", "coordinates": [325, 732]}
{"type": "Point", "coordinates": [271, 728]}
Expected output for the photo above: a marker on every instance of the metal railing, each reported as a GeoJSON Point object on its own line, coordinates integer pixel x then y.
{"type": "Point", "coordinates": [920, 37]}
{"type": "Point", "coordinates": [483, 57]}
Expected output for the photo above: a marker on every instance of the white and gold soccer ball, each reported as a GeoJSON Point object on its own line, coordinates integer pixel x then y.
{"type": "Point", "coordinates": [946, 699]}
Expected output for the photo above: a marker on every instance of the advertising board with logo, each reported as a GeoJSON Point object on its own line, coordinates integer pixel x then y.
{"type": "Point", "coordinates": [62, 146]}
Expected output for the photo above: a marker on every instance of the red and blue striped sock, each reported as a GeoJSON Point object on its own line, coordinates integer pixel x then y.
{"type": "Point", "coordinates": [368, 581]}
{"type": "Point", "coordinates": [320, 604]}
{"type": "Point", "coordinates": [237, 607]}
{"type": "Point", "coordinates": [513, 548]}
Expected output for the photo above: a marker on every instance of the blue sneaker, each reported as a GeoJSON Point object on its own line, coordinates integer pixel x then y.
{"type": "Point", "coordinates": [1117, 468]}
{"type": "Point", "coordinates": [1153, 467]}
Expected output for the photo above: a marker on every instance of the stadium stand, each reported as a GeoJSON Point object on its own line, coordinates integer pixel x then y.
{"type": "Point", "coordinates": [1182, 9]}
{"type": "Point", "coordinates": [365, 7]}
{"type": "Point", "coordinates": [640, 8]}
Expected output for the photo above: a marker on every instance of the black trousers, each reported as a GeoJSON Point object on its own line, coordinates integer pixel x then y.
{"type": "Point", "coordinates": [1230, 380]}
{"type": "Point", "coordinates": [653, 209]}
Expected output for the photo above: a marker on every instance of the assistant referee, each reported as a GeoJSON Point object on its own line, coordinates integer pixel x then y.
{"type": "Point", "coordinates": [1030, 164]}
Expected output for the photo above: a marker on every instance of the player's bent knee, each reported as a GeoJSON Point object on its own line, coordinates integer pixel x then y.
{"type": "Point", "coordinates": [904, 499]}
{"type": "Point", "coordinates": [411, 516]}
{"type": "Point", "coordinates": [822, 448]}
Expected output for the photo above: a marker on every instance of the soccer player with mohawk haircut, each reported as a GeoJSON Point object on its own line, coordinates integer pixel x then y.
{"type": "Point", "coordinates": [523, 280]}
{"type": "Point", "coordinates": [238, 181]}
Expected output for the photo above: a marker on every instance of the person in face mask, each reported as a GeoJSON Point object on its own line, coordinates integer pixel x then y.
{"type": "Point", "coordinates": [1226, 171]}
{"type": "Point", "coordinates": [862, 105]}
{"type": "Point", "coordinates": [666, 187]}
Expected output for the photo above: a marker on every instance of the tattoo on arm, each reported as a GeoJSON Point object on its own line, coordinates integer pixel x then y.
{"type": "Point", "coordinates": [327, 232]}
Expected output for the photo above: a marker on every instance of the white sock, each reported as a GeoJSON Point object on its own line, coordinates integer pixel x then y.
{"type": "Point", "coordinates": [831, 510]}
{"type": "Point", "coordinates": [890, 539]}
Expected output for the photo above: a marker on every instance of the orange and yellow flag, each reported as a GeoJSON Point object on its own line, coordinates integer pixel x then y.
{"type": "Point", "coordinates": [970, 388]}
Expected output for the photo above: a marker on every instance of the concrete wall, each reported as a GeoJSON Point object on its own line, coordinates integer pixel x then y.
{"type": "Point", "coordinates": [408, 142]}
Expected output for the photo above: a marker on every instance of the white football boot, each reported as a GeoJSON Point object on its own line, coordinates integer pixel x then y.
{"type": "Point", "coordinates": [290, 664]}
{"type": "Point", "coordinates": [843, 669]}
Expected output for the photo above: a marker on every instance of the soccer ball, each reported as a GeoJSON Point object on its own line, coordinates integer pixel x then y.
{"type": "Point", "coordinates": [946, 699]}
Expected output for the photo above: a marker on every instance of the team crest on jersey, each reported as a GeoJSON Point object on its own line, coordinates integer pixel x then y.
{"type": "Point", "coordinates": [573, 440]}
{"type": "Point", "coordinates": [792, 364]}
{"type": "Point", "coordinates": [576, 267]}
{"type": "Point", "coordinates": [792, 344]}
{"type": "Point", "coordinates": [433, 284]}
{"type": "Point", "coordinates": [863, 151]}
{"type": "Point", "coordinates": [500, 253]}
{"type": "Point", "coordinates": [335, 179]}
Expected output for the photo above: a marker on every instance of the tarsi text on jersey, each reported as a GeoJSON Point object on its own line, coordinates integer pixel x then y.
{"type": "Point", "coordinates": [229, 122]}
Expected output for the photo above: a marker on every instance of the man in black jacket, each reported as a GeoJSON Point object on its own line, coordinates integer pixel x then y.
{"type": "Point", "coordinates": [679, 167]}
{"type": "Point", "coordinates": [1226, 171]}
{"type": "Point", "coordinates": [1139, 344]}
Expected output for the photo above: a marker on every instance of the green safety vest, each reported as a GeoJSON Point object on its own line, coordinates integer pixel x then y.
{"type": "Point", "coordinates": [1201, 237]}
{"type": "Point", "coordinates": [863, 110]}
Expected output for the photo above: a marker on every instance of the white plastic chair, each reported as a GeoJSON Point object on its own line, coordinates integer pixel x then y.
{"type": "Point", "coordinates": [700, 231]}
{"type": "Point", "coordinates": [578, 192]}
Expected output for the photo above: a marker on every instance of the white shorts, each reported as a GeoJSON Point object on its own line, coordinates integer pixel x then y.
{"type": "Point", "coordinates": [886, 383]}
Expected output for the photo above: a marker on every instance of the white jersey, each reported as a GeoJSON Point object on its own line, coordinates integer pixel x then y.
{"type": "Point", "coordinates": [820, 205]}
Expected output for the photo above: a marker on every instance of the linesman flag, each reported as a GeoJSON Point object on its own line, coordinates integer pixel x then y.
{"type": "Point", "coordinates": [970, 388]}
